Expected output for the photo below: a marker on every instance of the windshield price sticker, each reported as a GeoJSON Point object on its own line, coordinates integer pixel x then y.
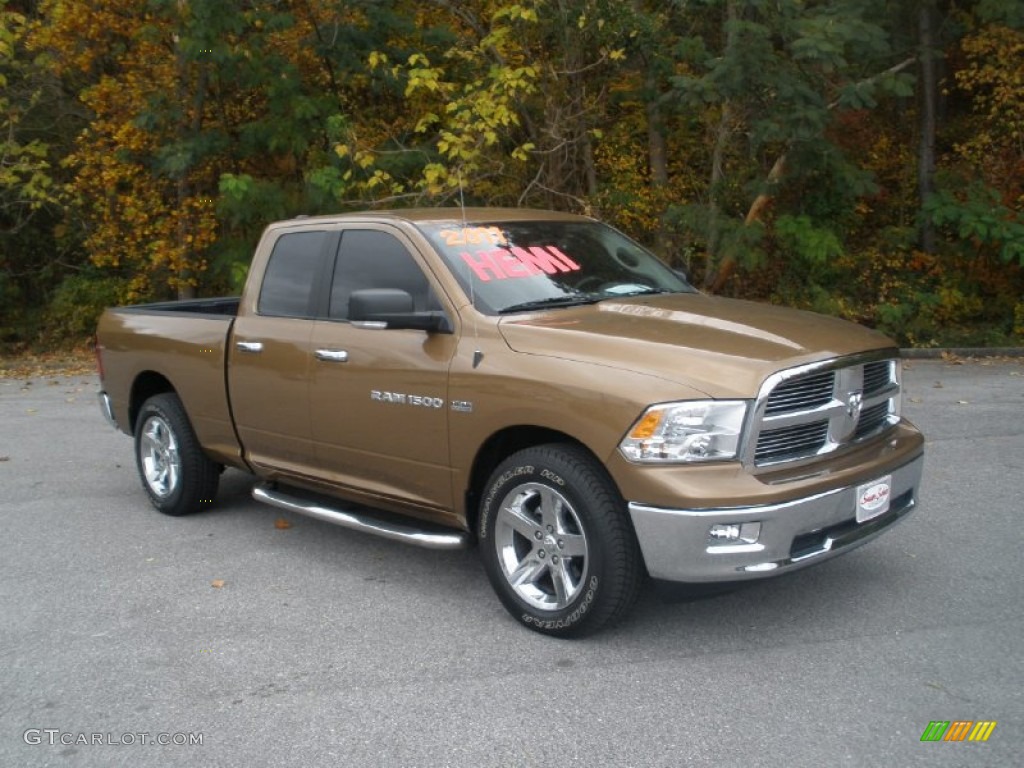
{"type": "Point", "coordinates": [506, 263]}
{"type": "Point", "coordinates": [873, 498]}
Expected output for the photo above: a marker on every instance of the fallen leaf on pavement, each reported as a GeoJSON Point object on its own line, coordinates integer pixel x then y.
{"type": "Point", "coordinates": [77, 362]}
{"type": "Point", "coordinates": [937, 385]}
{"type": "Point", "coordinates": [281, 524]}
{"type": "Point", "coordinates": [217, 583]}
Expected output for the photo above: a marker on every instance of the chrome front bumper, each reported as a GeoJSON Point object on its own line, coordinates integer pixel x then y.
{"type": "Point", "coordinates": [677, 544]}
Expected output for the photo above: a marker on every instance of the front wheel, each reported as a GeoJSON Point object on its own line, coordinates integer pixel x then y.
{"type": "Point", "coordinates": [177, 476]}
{"type": "Point", "coordinates": [556, 543]}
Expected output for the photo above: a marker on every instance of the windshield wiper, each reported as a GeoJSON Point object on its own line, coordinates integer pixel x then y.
{"type": "Point", "coordinates": [646, 290]}
{"type": "Point", "coordinates": [550, 302]}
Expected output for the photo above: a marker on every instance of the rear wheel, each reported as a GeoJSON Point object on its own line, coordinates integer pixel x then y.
{"type": "Point", "coordinates": [177, 476]}
{"type": "Point", "coordinates": [556, 542]}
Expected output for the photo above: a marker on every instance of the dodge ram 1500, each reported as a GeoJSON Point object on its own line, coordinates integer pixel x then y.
{"type": "Point", "coordinates": [533, 382]}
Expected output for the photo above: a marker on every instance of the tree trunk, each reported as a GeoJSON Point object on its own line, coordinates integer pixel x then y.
{"type": "Point", "coordinates": [189, 127]}
{"type": "Point", "coordinates": [728, 262]}
{"type": "Point", "coordinates": [657, 158]}
{"type": "Point", "coordinates": [589, 167]}
{"type": "Point", "coordinates": [927, 121]}
{"type": "Point", "coordinates": [723, 135]}
{"type": "Point", "coordinates": [657, 154]}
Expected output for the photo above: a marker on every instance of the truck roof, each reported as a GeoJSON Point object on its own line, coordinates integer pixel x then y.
{"type": "Point", "coordinates": [451, 213]}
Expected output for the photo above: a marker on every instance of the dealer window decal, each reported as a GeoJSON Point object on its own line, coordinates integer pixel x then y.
{"type": "Point", "coordinates": [472, 236]}
{"type": "Point", "coordinates": [505, 263]}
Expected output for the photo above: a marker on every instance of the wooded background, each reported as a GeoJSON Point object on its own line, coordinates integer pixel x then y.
{"type": "Point", "coordinates": [862, 158]}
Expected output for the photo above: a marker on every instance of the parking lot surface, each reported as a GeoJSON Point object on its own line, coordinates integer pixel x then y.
{"type": "Point", "coordinates": [313, 645]}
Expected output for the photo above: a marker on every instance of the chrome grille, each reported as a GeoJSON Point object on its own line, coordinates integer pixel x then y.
{"type": "Point", "coordinates": [816, 409]}
{"type": "Point", "coordinates": [803, 392]}
{"type": "Point", "coordinates": [877, 376]}
{"type": "Point", "coordinates": [871, 419]}
{"type": "Point", "coordinates": [780, 444]}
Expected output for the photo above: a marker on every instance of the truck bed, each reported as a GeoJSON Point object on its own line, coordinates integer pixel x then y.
{"type": "Point", "coordinates": [186, 341]}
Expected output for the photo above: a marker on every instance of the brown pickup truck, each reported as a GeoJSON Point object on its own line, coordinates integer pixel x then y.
{"type": "Point", "coordinates": [533, 382]}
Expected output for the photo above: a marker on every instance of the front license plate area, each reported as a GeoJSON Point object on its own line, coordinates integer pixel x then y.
{"type": "Point", "coordinates": [873, 498]}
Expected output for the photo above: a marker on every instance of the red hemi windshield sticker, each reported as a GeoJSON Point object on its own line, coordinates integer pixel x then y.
{"type": "Point", "coordinates": [505, 263]}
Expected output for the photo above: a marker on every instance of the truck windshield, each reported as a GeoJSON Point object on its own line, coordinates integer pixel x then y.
{"type": "Point", "coordinates": [528, 265]}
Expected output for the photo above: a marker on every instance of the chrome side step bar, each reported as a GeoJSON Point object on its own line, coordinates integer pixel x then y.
{"type": "Point", "coordinates": [361, 522]}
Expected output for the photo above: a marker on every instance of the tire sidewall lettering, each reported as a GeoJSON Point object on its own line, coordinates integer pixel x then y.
{"type": "Point", "coordinates": [574, 617]}
{"type": "Point", "coordinates": [612, 568]}
{"type": "Point", "coordinates": [547, 474]}
{"type": "Point", "coordinates": [525, 470]}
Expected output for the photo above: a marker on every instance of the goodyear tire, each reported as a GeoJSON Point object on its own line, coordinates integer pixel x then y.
{"type": "Point", "coordinates": [176, 475]}
{"type": "Point", "coordinates": [556, 541]}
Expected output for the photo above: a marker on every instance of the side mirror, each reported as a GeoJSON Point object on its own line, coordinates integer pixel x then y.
{"type": "Point", "coordinates": [393, 308]}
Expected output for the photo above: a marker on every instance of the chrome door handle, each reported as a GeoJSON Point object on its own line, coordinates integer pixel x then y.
{"type": "Point", "coordinates": [250, 346]}
{"type": "Point", "coordinates": [332, 355]}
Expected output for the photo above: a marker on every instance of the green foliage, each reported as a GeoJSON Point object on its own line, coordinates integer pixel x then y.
{"type": "Point", "coordinates": [37, 124]}
{"type": "Point", "coordinates": [26, 180]}
{"type": "Point", "coordinates": [77, 304]}
{"type": "Point", "coordinates": [781, 65]}
{"type": "Point", "coordinates": [1008, 12]}
{"type": "Point", "coordinates": [694, 223]}
{"type": "Point", "coordinates": [244, 206]}
{"type": "Point", "coordinates": [812, 245]}
{"type": "Point", "coordinates": [978, 220]}
{"type": "Point", "coordinates": [154, 141]}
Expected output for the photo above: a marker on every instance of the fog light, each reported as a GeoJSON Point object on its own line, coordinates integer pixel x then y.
{"type": "Point", "coordinates": [722, 534]}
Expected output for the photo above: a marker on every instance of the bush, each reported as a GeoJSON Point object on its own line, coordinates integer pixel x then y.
{"type": "Point", "coordinates": [77, 304]}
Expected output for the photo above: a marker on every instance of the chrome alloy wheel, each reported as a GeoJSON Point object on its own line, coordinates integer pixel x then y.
{"type": "Point", "coordinates": [161, 461]}
{"type": "Point", "coordinates": [541, 546]}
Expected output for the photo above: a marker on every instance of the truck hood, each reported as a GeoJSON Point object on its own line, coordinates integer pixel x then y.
{"type": "Point", "coordinates": [724, 348]}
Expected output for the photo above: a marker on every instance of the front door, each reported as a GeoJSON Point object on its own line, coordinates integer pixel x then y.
{"type": "Point", "coordinates": [379, 397]}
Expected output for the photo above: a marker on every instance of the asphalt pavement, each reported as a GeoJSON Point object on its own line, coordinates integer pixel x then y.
{"type": "Point", "coordinates": [313, 645]}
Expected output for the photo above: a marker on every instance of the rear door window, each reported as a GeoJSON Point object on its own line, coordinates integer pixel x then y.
{"type": "Point", "coordinates": [295, 266]}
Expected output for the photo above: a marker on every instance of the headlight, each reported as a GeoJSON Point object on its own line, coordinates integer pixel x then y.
{"type": "Point", "coordinates": [698, 430]}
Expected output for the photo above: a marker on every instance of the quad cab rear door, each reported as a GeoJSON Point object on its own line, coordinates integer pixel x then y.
{"type": "Point", "coordinates": [269, 351]}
